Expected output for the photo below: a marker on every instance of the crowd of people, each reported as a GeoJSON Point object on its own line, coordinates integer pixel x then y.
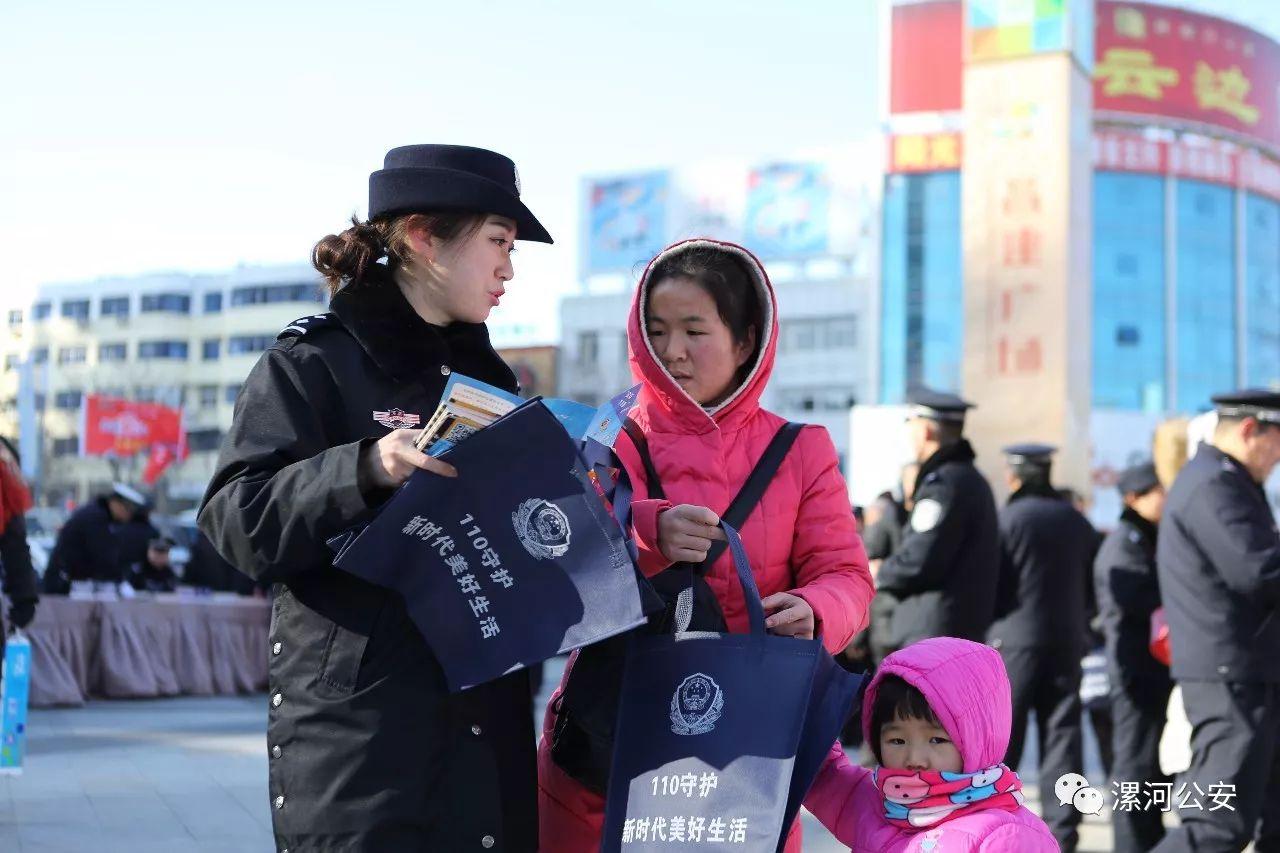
{"type": "Point", "coordinates": [1036, 582]}
{"type": "Point", "coordinates": [972, 616]}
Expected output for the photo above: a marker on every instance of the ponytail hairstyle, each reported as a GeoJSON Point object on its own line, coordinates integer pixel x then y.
{"type": "Point", "coordinates": [352, 257]}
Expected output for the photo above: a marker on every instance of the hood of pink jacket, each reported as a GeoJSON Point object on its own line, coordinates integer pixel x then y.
{"type": "Point", "coordinates": [801, 537]}
{"type": "Point", "coordinates": [668, 407]}
{"type": "Point", "coordinates": [966, 685]}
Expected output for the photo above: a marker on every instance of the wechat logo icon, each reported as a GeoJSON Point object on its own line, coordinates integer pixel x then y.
{"type": "Point", "coordinates": [1073, 790]}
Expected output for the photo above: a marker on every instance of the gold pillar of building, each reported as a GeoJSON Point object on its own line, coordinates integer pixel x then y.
{"type": "Point", "coordinates": [1027, 222]}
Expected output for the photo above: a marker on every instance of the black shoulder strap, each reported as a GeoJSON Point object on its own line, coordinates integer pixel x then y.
{"type": "Point", "coordinates": [752, 490]}
{"type": "Point", "coordinates": [652, 480]}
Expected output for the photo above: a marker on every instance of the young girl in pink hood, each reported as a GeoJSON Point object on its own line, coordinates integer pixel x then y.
{"type": "Point", "coordinates": [702, 335]}
{"type": "Point", "coordinates": [937, 715]}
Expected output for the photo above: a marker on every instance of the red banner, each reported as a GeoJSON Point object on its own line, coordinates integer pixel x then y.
{"type": "Point", "coordinates": [1219, 163]}
{"type": "Point", "coordinates": [1155, 60]}
{"type": "Point", "coordinates": [160, 458]}
{"type": "Point", "coordinates": [925, 59]}
{"type": "Point", "coordinates": [123, 428]}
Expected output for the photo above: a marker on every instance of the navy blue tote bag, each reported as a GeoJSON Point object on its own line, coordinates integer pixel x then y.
{"type": "Point", "coordinates": [510, 563]}
{"type": "Point", "coordinates": [719, 736]}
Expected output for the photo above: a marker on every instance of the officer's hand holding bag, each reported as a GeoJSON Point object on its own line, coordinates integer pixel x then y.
{"type": "Point", "coordinates": [392, 459]}
{"type": "Point", "coordinates": [502, 548]}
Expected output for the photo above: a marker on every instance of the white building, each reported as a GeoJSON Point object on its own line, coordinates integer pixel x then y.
{"type": "Point", "coordinates": [182, 340]}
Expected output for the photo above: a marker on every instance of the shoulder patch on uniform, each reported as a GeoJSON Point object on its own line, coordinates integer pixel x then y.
{"type": "Point", "coordinates": [310, 323]}
{"type": "Point", "coordinates": [925, 515]}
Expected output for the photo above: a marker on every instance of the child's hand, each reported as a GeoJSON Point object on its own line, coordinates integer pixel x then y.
{"type": "Point", "coordinates": [789, 616]}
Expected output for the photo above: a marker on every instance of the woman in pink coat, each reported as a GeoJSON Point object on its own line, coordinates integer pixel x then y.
{"type": "Point", "coordinates": [937, 715]}
{"type": "Point", "coordinates": [702, 334]}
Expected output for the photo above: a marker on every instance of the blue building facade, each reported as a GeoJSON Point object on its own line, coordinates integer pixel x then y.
{"type": "Point", "coordinates": [1186, 289]}
{"type": "Point", "coordinates": [922, 317]}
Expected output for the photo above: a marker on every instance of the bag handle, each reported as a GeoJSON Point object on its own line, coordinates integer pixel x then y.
{"type": "Point", "coordinates": [750, 592]}
{"type": "Point", "coordinates": [736, 515]}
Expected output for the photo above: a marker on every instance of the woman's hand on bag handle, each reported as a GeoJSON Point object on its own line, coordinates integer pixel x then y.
{"type": "Point", "coordinates": [685, 533]}
{"type": "Point", "coordinates": [389, 462]}
{"type": "Point", "coordinates": [788, 616]}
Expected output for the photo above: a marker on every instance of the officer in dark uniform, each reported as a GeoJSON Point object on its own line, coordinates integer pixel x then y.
{"type": "Point", "coordinates": [943, 575]}
{"type": "Point", "coordinates": [1128, 592]}
{"type": "Point", "coordinates": [1218, 560]}
{"type": "Point", "coordinates": [368, 749]}
{"type": "Point", "coordinates": [1046, 559]}
{"type": "Point", "coordinates": [88, 545]}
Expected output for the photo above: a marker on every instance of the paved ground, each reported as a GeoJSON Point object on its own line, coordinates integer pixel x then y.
{"type": "Point", "coordinates": [173, 775]}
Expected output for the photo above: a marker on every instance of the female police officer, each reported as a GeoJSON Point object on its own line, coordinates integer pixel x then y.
{"type": "Point", "coordinates": [368, 749]}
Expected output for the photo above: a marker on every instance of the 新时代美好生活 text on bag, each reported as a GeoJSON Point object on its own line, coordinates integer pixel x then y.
{"type": "Point", "coordinates": [720, 735]}
{"type": "Point", "coordinates": [515, 560]}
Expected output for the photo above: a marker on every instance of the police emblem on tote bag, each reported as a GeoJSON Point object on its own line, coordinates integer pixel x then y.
{"type": "Point", "coordinates": [543, 529]}
{"type": "Point", "coordinates": [513, 561]}
{"type": "Point", "coordinates": [696, 705]}
{"type": "Point", "coordinates": [719, 736]}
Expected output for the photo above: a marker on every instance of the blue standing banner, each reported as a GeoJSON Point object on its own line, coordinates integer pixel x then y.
{"type": "Point", "coordinates": [719, 736]}
{"type": "Point", "coordinates": [15, 689]}
{"type": "Point", "coordinates": [512, 562]}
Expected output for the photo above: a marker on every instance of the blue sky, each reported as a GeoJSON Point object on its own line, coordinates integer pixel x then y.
{"type": "Point", "coordinates": [141, 136]}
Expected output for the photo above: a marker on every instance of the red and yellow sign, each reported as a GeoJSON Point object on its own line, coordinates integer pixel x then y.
{"type": "Point", "coordinates": [1154, 60]}
{"type": "Point", "coordinates": [924, 152]}
{"type": "Point", "coordinates": [1150, 60]}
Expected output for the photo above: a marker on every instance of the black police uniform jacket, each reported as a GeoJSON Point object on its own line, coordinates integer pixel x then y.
{"type": "Point", "coordinates": [368, 750]}
{"type": "Point", "coordinates": [1046, 566]}
{"type": "Point", "coordinates": [944, 573]}
{"type": "Point", "coordinates": [1218, 561]}
{"type": "Point", "coordinates": [87, 548]}
{"type": "Point", "coordinates": [1128, 592]}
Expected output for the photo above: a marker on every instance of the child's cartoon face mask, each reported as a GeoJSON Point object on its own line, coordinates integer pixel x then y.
{"type": "Point", "coordinates": [917, 744]}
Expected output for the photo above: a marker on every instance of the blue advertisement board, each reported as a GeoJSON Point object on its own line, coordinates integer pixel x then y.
{"type": "Point", "coordinates": [626, 221]}
{"type": "Point", "coordinates": [787, 210]}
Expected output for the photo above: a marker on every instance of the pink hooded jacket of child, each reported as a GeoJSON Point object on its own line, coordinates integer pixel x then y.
{"type": "Point", "coordinates": [966, 686]}
{"type": "Point", "coordinates": [801, 538]}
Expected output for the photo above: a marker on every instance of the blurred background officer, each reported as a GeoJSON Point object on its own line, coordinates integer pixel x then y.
{"type": "Point", "coordinates": [1046, 557]}
{"type": "Point", "coordinates": [1218, 561]}
{"type": "Point", "coordinates": [154, 572]}
{"type": "Point", "coordinates": [88, 546]}
{"type": "Point", "coordinates": [19, 578]}
{"type": "Point", "coordinates": [883, 539]}
{"type": "Point", "coordinates": [943, 575]}
{"type": "Point", "coordinates": [134, 539]}
{"type": "Point", "coordinates": [1124, 576]}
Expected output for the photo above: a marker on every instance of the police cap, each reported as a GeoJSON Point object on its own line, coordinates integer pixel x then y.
{"type": "Point", "coordinates": [1029, 453]}
{"type": "Point", "coordinates": [128, 494]}
{"type": "Point", "coordinates": [937, 405]}
{"type": "Point", "coordinates": [1260, 403]}
{"type": "Point", "coordinates": [1137, 479]}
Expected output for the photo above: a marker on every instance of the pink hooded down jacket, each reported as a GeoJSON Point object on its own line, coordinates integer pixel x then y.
{"type": "Point", "coordinates": [967, 687]}
{"type": "Point", "coordinates": [801, 538]}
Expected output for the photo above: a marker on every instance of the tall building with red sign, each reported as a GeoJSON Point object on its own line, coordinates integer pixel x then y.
{"type": "Point", "coordinates": [1118, 243]}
